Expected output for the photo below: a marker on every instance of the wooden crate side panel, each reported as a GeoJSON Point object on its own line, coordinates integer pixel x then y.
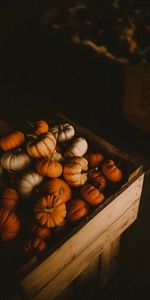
{"type": "Point", "coordinates": [81, 239]}
{"type": "Point", "coordinates": [81, 262]}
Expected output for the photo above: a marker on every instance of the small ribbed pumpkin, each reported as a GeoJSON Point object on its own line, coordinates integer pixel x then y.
{"type": "Point", "coordinates": [92, 195]}
{"type": "Point", "coordinates": [15, 161]}
{"type": "Point", "coordinates": [94, 159]}
{"type": "Point", "coordinates": [49, 211]}
{"type": "Point", "coordinates": [49, 168]}
{"type": "Point", "coordinates": [42, 146]}
{"type": "Point", "coordinates": [41, 126]}
{"type": "Point", "coordinates": [98, 180]}
{"type": "Point", "coordinates": [63, 132]}
{"type": "Point", "coordinates": [36, 245]}
{"type": "Point", "coordinates": [77, 210]}
{"type": "Point", "coordinates": [12, 140]}
{"type": "Point", "coordinates": [9, 224]}
{"type": "Point", "coordinates": [78, 147]}
{"type": "Point", "coordinates": [57, 186]}
{"type": "Point", "coordinates": [74, 171]}
{"type": "Point", "coordinates": [111, 171]}
{"type": "Point", "coordinates": [28, 182]}
{"type": "Point", "coordinates": [9, 198]}
{"type": "Point", "coordinates": [41, 232]}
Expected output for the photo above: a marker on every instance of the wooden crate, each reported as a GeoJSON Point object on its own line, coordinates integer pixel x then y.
{"type": "Point", "coordinates": [94, 241]}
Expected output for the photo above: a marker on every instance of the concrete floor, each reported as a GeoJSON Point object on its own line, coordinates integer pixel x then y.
{"type": "Point", "coordinates": [40, 77]}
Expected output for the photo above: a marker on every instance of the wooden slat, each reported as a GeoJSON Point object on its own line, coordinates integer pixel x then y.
{"type": "Point", "coordinates": [81, 262]}
{"type": "Point", "coordinates": [108, 261]}
{"type": "Point", "coordinates": [47, 270]}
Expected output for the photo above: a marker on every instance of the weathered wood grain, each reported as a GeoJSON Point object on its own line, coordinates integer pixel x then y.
{"type": "Point", "coordinates": [74, 246]}
{"type": "Point", "coordinates": [108, 261]}
{"type": "Point", "coordinates": [82, 261]}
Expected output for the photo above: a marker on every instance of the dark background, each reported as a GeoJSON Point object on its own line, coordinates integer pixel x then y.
{"type": "Point", "coordinates": [43, 74]}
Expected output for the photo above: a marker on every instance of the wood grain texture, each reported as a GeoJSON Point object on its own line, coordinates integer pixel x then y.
{"type": "Point", "coordinates": [74, 246]}
{"type": "Point", "coordinates": [82, 261]}
{"type": "Point", "coordinates": [108, 261]}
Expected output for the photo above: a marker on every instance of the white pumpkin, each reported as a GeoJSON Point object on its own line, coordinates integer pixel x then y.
{"type": "Point", "coordinates": [28, 182]}
{"type": "Point", "coordinates": [13, 161]}
{"type": "Point", "coordinates": [63, 132]}
{"type": "Point", "coordinates": [78, 147]}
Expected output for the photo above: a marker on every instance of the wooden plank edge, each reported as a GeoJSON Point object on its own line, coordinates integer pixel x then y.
{"type": "Point", "coordinates": [34, 281]}
{"type": "Point", "coordinates": [81, 262]}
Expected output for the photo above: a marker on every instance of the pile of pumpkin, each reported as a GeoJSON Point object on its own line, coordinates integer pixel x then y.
{"type": "Point", "coordinates": [52, 168]}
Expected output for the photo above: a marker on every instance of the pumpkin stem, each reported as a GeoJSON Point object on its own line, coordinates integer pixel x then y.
{"type": "Point", "coordinates": [61, 127]}
{"type": "Point", "coordinates": [90, 170]}
{"type": "Point", "coordinates": [100, 187]}
{"type": "Point", "coordinates": [48, 210]}
{"type": "Point", "coordinates": [30, 124]}
{"type": "Point", "coordinates": [61, 191]}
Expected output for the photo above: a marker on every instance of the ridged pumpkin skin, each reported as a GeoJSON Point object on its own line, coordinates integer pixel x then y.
{"type": "Point", "coordinates": [57, 186]}
{"type": "Point", "coordinates": [12, 140]}
{"type": "Point", "coordinates": [9, 198]}
{"type": "Point", "coordinates": [42, 146]}
{"type": "Point", "coordinates": [41, 232]}
{"type": "Point", "coordinates": [41, 127]}
{"type": "Point", "coordinates": [35, 245]}
{"type": "Point", "coordinates": [78, 148]}
{"type": "Point", "coordinates": [50, 211]}
{"type": "Point", "coordinates": [28, 182]}
{"type": "Point", "coordinates": [49, 168]}
{"type": "Point", "coordinates": [15, 161]}
{"type": "Point", "coordinates": [92, 195]}
{"type": "Point", "coordinates": [63, 132]}
{"type": "Point", "coordinates": [111, 171]}
{"type": "Point", "coordinates": [98, 180]}
{"type": "Point", "coordinates": [9, 224]}
{"type": "Point", "coordinates": [74, 171]}
{"type": "Point", "coordinates": [77, 210]}
{"type": "Point", "coordinates": [94, 159]}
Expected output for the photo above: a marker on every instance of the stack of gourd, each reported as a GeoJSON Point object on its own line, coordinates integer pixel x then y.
{"type": "Point", "coordinates": [52, 168]}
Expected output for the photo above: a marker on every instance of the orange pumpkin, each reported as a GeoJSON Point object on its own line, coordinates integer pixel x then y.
{"type": "Point", "coordinates": [58, 186]}
{"type": "Point", "coordinates": [12, 140]}
{"type": "Point", "coordinates": [94, 159]}
{"type": "Point", "coordinates": [49, 211]}
{"type": "Point", "coordinates": [49, 168]}
{"type": "Point", "coordinates": [77, 210]}
{"type": "Point", "coordinates": [9, 198]}
{"type": "Point", "coordinates": [9, 224]}
{"type": "Point", "coordinates": [98, 180]}
{"type": "Point", "coordinates": [35, 244]}
{"type": "Point", "coordinates": [74, 171]}
{"type": "Point", "coordinates": [92, 195]}
{"type": "Point", "coordinates": [41, 127]}
{"type": "Point", "coordinates": [111, 171]}
{"type": "Point", "coordinates": [41, 232]}
{"type": "Point", "coordinates": [42, 146]}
